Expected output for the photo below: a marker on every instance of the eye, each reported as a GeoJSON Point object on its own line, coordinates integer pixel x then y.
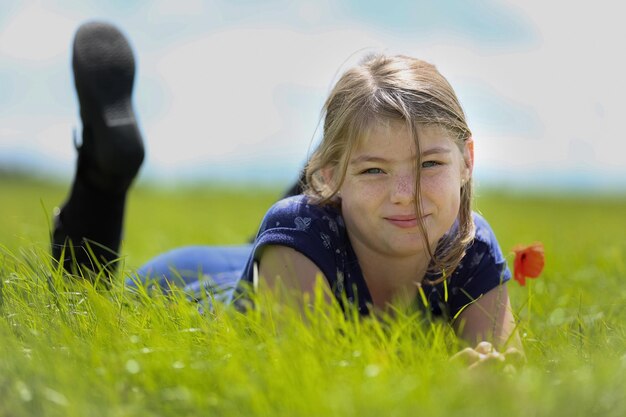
{"type": "Point", "coordinates": [373, 171]}
{"type": "Point", "coordinates": [430, 164]}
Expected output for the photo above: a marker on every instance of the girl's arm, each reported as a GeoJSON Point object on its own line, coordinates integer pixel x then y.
{"type": "Point", "coordinates": [489, 318]}
{"type": "Point", "coordinates": [488, 323]}
{"type": "Point", "coordinates": [285, 268]}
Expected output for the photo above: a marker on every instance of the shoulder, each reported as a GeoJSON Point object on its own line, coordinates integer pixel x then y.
{"type": "Point", "coordinates": [485, 240]}
{"type": "Point", "coordinates": [482, 268]}
{"type": "Point", "coordinates": [297, 213]}
{"type": "Point", "coordinates": [290, 206]}
{"type": "Point", "coordinates": [315, 231]}
{"type": "Point", "coordinates": [484, 232]}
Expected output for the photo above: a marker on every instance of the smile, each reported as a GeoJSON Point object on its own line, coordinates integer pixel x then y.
{"type": "Point", "coordinates": [404, 222]}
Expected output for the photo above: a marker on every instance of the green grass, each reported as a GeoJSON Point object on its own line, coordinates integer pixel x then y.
{"type": "Point", "coordinates": [67, 349]}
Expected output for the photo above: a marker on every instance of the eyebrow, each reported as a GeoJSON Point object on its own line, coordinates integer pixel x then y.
{"type": "Point", "coordinates": [377, 159]}
{"type": "Point", "coordinates": [436, 150]}
{"type": "Point", "coordinates": [367, 158]}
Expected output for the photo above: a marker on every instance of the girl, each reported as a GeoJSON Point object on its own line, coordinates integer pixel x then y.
{"type": "Point", "coordinates": [385, 216]}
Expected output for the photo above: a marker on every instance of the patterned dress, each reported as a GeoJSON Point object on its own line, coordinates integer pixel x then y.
{"type": "Point", "coordinates": [319, 233]}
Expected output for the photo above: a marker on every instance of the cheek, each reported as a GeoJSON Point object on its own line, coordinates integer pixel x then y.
{"type": "Point", "coordinates": [360, 204]}
{"type": "Point", "coordinates": [443, 189]}
{"type": "Point", "coordinates": [363, 193]}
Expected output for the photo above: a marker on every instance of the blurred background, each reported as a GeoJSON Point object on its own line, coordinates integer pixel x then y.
{"type": "Point", "coordinates": [231, 91]}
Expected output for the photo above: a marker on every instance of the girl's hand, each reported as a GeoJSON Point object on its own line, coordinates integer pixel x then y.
{"type": "Point", "coordinates": [484, 355]}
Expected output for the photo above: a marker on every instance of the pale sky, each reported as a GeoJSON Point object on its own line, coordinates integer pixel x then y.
{"type": "Point", "coordinates": [232, 90]}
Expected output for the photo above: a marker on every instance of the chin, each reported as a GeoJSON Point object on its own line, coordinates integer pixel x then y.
{"type": "Point", "coordinates": [408, 248]}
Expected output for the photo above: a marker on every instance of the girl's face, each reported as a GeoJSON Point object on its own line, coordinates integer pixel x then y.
{"type": "Point", "coordinates": [378, 193]}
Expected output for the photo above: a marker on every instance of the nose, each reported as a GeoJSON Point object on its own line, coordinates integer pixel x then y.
{"type": "Point", "coordinates": [403, 189]}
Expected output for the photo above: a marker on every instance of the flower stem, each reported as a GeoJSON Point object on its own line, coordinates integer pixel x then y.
{"type": "Point", "coordinates": [530, 299]}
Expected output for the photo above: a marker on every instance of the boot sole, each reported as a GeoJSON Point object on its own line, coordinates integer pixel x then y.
{"type": "Point", "coordinates": [104, 72]}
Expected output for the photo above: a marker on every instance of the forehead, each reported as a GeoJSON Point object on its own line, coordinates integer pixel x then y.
{"type": "Point", "coordinates": [385, 136]}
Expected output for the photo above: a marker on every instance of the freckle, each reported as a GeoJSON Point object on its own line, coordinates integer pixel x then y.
{"type": "Point", "coordinates": [405, 185]}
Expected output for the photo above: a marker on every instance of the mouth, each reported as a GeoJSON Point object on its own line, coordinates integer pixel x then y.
{"type": "Point", "coordinates": [403, 221]}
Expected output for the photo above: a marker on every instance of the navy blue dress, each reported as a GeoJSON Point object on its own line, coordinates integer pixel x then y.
{"type": "Point", "coordinates": [320, 234]}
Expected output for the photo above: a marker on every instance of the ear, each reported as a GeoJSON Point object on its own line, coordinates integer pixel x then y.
{"type": "Point", "coordinates": [328, 174]}
{"type": "Point", "coordinates": [468, 157]}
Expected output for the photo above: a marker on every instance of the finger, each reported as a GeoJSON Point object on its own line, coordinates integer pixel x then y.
{"type": "Point", "coordinates": [467, 356]}
{"type": "Point", "coordinates": [515, 357]}
{"type": "Point", "coordinates": [491, 360]}
{"type": "Point", "coordinates": [484, 348]}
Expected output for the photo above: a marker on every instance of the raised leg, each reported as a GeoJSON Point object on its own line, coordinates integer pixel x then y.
{"type": "Point", "coordinates": [88, 228]}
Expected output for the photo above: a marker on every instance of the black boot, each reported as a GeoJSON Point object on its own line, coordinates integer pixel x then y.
{"type": "Point", "coordinates": [88, 228]}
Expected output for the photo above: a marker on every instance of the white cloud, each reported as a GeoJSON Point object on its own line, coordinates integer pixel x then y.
{"type": "Point", "coordinates": [36, 34]}
{"type": "Point", "coordinates": [574, 80]}
{"type": "Point", "coordinates": [178, 8]}
{"type": "Point", "coordinates": [223, 90]}
{"type": "Point", "coordinates": [242, 95]}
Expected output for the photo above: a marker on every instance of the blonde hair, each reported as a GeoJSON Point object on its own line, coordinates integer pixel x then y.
{"type": "Point", "coordinates": [386, 88]}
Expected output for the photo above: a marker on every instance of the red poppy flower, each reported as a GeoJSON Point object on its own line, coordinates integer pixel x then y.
{"type": "Point", "coordinates": [529, 261]}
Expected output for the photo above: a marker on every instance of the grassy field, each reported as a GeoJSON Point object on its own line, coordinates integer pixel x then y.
{"type": "Point", "coordinates": [69, 350]}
